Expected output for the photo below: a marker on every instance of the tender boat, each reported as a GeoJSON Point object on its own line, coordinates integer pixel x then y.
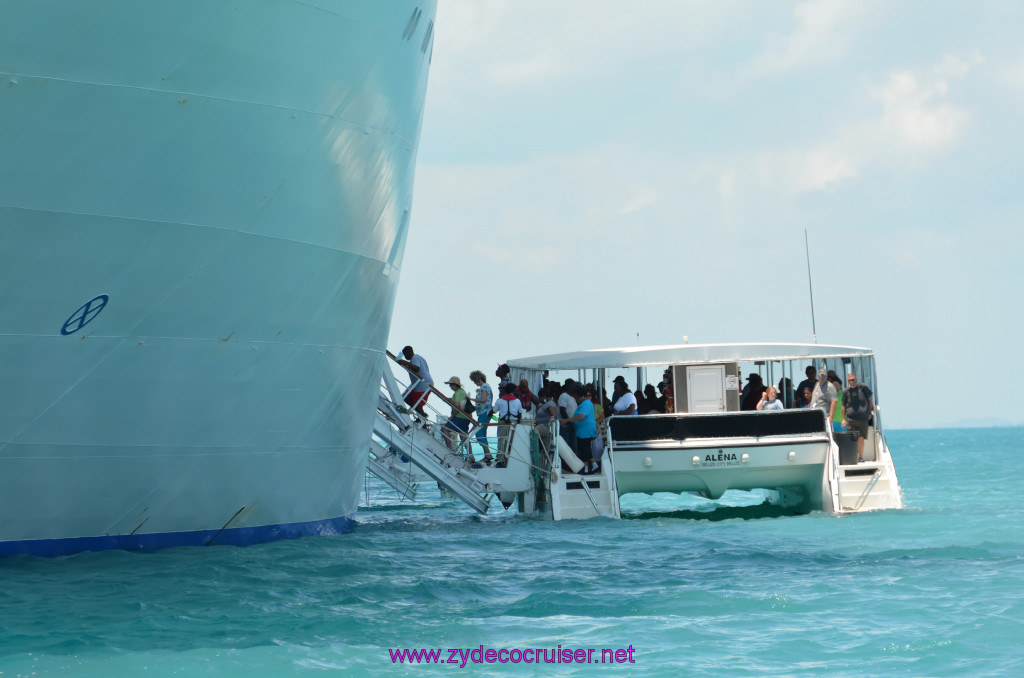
{"type": "Point", "coordinates": [704, 443]}
{"type": "Point", "coordinates": [707, 445]}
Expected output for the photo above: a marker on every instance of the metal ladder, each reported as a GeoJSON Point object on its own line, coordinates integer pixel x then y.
{"type": "Point", "coordinates": [398, 433]}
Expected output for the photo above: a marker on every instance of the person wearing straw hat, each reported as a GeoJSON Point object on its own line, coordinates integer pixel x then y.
{"type": "Point", "coordinates": [458, 423]}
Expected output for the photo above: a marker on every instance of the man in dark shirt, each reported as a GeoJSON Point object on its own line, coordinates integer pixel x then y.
{"type": "Point", "coordinates": [857, 409]}
{"type": "Point", "coordinates": [809, 382]}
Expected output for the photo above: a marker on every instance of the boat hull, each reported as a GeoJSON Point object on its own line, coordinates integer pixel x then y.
{"type": "Point", "coordinates": [712, 470]}
{"type": "Point", "coordinates": [203, 208]}
{"type": "Point", "coordinates": [708, 454]}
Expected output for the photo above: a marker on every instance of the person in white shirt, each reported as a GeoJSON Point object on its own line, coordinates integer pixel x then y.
{"type": "Point", "coordinates": [509, 410]}
{"type": "Point", "coordinates": [419, 389]}
{"type": "Point", "coordinates": [625, 402]}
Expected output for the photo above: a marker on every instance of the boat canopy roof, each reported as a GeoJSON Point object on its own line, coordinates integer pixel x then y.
{"type": "Point", "coordinates": [684, 354]}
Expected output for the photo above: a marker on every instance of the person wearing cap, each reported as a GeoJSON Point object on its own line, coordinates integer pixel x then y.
{"type": "Point", "coordinates": [458, 423]}
{"type": "Point", "coordinates": [615, 392]}
{"type": "Point", "coordinates": [824, 396]}
{"type": "Point", "coordinates": [625, 403]}
{"type": "Point", "coordinates": [857, 411]}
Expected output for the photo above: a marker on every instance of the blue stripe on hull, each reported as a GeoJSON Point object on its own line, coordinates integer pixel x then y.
{"type": "Point", "coordinates": [240, 536]}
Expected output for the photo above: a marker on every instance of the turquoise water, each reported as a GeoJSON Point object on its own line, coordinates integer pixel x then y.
{"type": "Point", "coordinates": [934, 590]}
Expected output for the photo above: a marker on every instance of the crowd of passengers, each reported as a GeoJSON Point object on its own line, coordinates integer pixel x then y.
{"type": "Point", "coordinates": [581, 408]}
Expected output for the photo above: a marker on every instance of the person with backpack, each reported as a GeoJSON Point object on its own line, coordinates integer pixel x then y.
{"type": "Point", "coordinates": [509, 410]}
{"type": "Point", "coordinates": [857, 409]}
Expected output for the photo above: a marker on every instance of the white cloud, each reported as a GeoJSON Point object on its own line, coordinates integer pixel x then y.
{"type": "Point", "coordinates": [823, 166]}
{"type": "Point", "coordinates": [520, 43]}
{"type": "Point", "coordinates": [645, 197]}
{"type": "Point", "coordinates": [527, 71]}
{"type": "Point", "coordinates": [917, 121]}
{"type": "Point", "coordinates": [823, 33]}
{"type": "Point", "coordinates": [916, 113]}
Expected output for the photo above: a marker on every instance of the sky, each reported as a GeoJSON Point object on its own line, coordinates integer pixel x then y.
{"type": "Point", "coordinates": [594, 174]}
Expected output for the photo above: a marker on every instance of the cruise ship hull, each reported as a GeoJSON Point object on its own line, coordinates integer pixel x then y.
{"type": "Point", "coordinates": [203, 207]}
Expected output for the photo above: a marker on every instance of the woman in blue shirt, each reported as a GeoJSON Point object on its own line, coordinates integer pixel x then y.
{"type": "Point", "coordinates": [586, 431]}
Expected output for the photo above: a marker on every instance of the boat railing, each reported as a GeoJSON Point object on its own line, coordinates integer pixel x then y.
{"type": "Point", "coordinates": [835, 485]}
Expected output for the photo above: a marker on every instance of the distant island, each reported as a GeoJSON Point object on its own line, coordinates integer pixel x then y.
{"type": "Point", "coordinates": [982, 422]}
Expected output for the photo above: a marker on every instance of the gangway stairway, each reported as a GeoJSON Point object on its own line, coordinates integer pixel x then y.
{"type": "Point", "coordinates": [400, 434]}
{"type": "Point", "coordinates": [401, 437]}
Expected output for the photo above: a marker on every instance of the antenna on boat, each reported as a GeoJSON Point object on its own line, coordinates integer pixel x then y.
{"type": "Point", "coordinates": [807, 249]}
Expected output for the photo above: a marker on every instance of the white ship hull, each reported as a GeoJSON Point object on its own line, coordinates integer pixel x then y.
{"type": "Point", "coordinates": [202, 213]}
